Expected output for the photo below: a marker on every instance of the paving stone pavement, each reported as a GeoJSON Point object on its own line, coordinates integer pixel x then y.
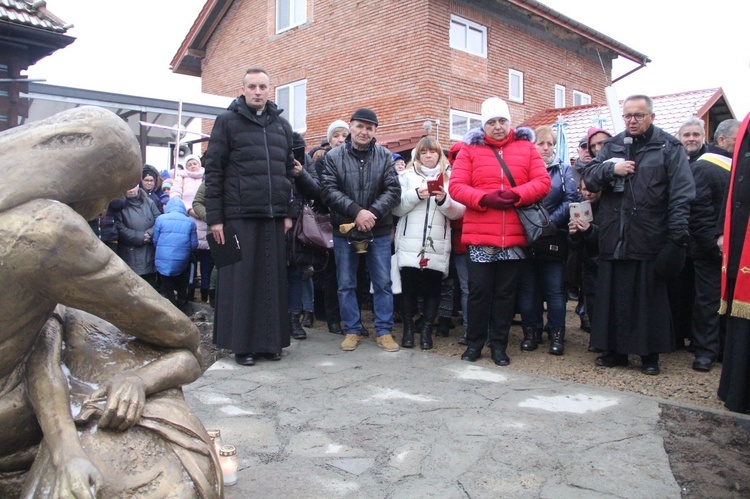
{"type": "Point", "coordinates": [324, 423]}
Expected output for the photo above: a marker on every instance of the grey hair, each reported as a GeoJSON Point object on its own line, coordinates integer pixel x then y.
{"type": "Point", "coordinates": [649, 101]}
{"type": "Point", "coordinates": [725, 128]}
{"type": "Point", "coordinates": [693, 121]}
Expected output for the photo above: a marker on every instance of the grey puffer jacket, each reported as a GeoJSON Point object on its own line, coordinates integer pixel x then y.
{"type": "Point", "coordinates": [349, 185]}
{"type": "Point", "coordinates": [132, 222]}
{"type": "Point", "coordinates": [249, 164]}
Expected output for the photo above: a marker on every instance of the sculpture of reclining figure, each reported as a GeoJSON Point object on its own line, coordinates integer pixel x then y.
{"type": "Point", "coordinates": [54, 176]}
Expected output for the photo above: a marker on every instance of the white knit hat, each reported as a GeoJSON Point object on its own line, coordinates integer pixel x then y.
{"type": "Point", "coordinates": [494, 107]}
{"type": "Point", "coordinates": [336, 124]}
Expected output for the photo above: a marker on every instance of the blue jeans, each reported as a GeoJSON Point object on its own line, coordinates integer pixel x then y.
{"type": "Point", "coordinates": [462, 270]}
{"type": "Point", "coordinates": [378, 259]}
{"type": "Point", "coordinates": [308, 291]}
{"type": "Point", "coordinates": [542, 281]}
{"type": "Point", "coordinates": [295, 282]}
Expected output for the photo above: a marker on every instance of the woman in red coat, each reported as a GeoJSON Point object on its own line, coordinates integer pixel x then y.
{"type": "Point", "coordinates": [492, 230]}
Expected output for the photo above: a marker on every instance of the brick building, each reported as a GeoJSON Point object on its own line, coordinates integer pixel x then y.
{"type": "Point", "coordinates": [412, 62]}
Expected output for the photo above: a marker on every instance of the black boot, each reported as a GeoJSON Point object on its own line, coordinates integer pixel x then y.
{"type": "Point", "coordinates": [212, 297]}
{"type": "Point", "coordinates": [557, 340]}
{"type": "Point", "coordinates": [308, 318]}
{"type": "Point", "coordinates": [294, 321]}
{"type": "Point", "coordinates": [530, 335]}
{"type": "Point", "coordinates": [408, 307]}
{"type": "Point", "coordinates": [204, 295]}
{"type": "Point", "coordinates": [431, 305]}
{"type": "Point", "coordinates": [464, 339]}
{"type": "Point", "coordinates": [445, 324]}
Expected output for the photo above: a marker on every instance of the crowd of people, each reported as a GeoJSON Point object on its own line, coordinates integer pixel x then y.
{"type": "Point", "coordinates": [662, 250]}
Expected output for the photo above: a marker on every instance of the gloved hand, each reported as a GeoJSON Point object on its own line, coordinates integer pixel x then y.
{"type": "Point", "coordinates": [670, 260]}
{"type": "Point", "coordinates": [499, 199]}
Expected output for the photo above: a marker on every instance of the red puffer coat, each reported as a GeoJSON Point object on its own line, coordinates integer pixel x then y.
{"type": "Point", "coordinates": [476, 172]}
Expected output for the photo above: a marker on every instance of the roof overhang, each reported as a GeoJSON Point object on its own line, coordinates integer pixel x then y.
{"type": "Point", "coordinates": [580, 29]}
{"type": "Point", "coordinates": [37, 43]}
{"type": "Point", "coordinates": [47, 100]}
{"type": "Point", "coordinates": [188, 58]}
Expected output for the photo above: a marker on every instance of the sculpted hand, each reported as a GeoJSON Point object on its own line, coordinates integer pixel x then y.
{"type": "Point", "coordinates": [287, 224]}
{"type": "Point", "coordinates": [79, 478]}
{"type": "Point", "coordinates": [126, 397]}
{"type": "Point", "coordinates": [499, 199]}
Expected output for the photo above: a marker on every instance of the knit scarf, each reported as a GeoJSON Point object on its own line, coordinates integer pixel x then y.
{"type": "Point", "coordinates": [741, 298]}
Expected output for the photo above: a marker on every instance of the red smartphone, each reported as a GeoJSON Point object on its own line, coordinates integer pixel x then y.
{"type": "Point", "coordinates": [434, 185]}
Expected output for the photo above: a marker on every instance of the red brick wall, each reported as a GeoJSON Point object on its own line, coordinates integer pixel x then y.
{"type": "Point", "coordinates": [394, 57]}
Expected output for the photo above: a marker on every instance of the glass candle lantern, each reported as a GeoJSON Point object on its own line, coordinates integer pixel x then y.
{"type": "Point", "coordinates": [229, 464]}
{"type": "Point", "coordinates": [215, 436]}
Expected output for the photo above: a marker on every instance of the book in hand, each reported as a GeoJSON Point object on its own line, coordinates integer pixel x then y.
{"type": "Point", "coordinates": [227, 253]}
{"type": "Point", "coordinates": [582, 210]}
{"type": "Point", "coordinates": [434, 185]}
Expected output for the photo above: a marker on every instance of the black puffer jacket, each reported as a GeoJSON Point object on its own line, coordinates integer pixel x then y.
{"type": "Point", "coordinates": [350, 185]}
{"type": "Point", "coordinates": [249, 164]}
{"type": "Point", "coordinates": [655, 204]}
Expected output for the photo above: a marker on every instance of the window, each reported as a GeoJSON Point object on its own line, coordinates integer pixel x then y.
{"type": "Point", "coordinates": [559, 96]}
{"type": "Point", "coordinates": [463, 122]}
{"type": "Point", "coordinates": [290, 13]}
{"type": "Point", "coordinates": [581, 99]}
{"type": "Point", "coordinates": [515, 85]}
{"type": "Point", "coordinates": [292, 99]}
{"type": "Point", "coordinates": [468, 36]}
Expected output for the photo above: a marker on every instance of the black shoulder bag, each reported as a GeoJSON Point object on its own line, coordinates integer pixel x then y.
{"type": "Point", "coordinates": [534, 217]}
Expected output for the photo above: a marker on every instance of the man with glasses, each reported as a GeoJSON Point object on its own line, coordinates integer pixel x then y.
{"type": "Point", "coordinates": [646, 189]}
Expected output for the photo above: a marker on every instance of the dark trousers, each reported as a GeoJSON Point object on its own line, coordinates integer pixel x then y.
{"type": "Point", "coordinates": [706, 323]}
{"type": "Point", "coordinates": [172, 285]}
{"type": "Point", "coordinates": [330, 291]}
{"type": "Point", "coordinates": [491, 304]}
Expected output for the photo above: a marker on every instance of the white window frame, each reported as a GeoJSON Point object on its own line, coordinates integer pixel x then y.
{"type": "Point", "coordinates": [297, 13]}
{"type": "Point", "coordinates": [559, 89]}
{"type": "Point", "coordinates": [519, 74]}
{"type": "Point", "coordinates": [291, 109]}
{"type": "Point", "coordinates": [468, 117]}
{"type": "Point", "coordinates": [463, 45]}
{"type": "Point", "coordinates": [579, 97]}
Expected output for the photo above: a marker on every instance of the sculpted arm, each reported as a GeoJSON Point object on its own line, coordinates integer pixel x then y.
{"type": "Point", "coordinates": [47, 388]}
{"type": "Point", "coordinates": [85, 274]}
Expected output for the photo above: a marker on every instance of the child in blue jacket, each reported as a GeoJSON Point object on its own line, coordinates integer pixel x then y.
{"type": "Point", "coordinates": [175, 238]}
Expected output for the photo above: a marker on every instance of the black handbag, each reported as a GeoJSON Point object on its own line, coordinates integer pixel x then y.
{"type": "Point", "coordinates": [534, 217]}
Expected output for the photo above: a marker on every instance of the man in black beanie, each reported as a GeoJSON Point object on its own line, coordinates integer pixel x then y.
{"type": "Point", "coordinates": [360, 186]}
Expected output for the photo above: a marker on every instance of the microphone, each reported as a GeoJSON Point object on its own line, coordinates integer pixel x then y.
{"type": "Point", "coordinates": [619, 185]}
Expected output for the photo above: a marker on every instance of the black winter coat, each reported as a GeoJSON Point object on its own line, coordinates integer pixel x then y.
{"type": "Point", "coordinates": [350, 185]}
{"type": "Point", "coordinates": [711, 186]}
{"type": "Point", "coordinates": [655, 205]}
{"type": "Point", "coordinates": [249, 165]}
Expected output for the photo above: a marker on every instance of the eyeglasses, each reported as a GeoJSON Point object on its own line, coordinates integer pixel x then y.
{"type": "Point", "coordinates": [637, 116]}
{"type": "Point", "coordinates": [585, 147]}
{"type": "Point", "coordinates": [148, 181]}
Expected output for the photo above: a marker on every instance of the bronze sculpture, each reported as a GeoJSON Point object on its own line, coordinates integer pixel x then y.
{"type": "Point", "coordinates": [54, 175]}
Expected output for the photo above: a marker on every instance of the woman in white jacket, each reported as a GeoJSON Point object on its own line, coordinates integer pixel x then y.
{"type": "Point", "coordinates": [423, 236]}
